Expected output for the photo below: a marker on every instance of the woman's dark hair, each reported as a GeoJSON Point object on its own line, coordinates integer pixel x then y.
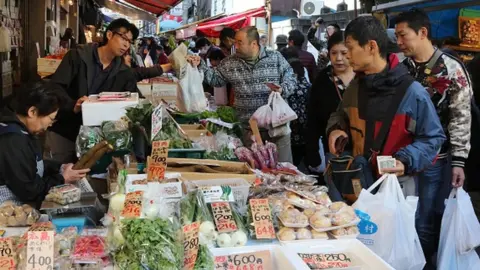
{"type": "Point", "coordinates": [335, 39]}
{"type": "Point", "coordinates": [202, 42]}
{"type": "Point", "coordinates": [216, 55]}
{"type": "Point", "coordinates": [46, 97]}
{"type": "Point", "coordinates": [291, 54]}
{"type": "Point", "coordinates": [336, 26]}
{"type": "Point", "coordinates": [67, 35]}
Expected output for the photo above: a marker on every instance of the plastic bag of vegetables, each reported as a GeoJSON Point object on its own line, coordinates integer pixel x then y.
{"type": "Point", "coordinates": [87, 138]}
{"type": "Point", "coordinates": [117, 134]}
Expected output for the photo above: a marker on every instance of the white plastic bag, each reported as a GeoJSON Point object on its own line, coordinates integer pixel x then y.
{"type": "Point", "coordinates": [281, 112]}
{"type": "Point", "coordinates": [263, 115]}
{"type": "Point", "coordinates": [468, 237]}
{"type": "Point", "coordinates": [148, 61]}
{"type": "Point", "coordinates": [451, 251]}
{"type": "Point", "coordinates": [191, 97]}
{"type": "Point", "coordinates": [387, 225]}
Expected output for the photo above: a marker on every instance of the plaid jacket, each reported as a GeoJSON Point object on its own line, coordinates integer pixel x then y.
{"type": "Point", "coordinates": [249, 81]}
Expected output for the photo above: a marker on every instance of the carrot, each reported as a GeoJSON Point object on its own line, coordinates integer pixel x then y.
{"type": "Point", "coordinates": [89, 154]}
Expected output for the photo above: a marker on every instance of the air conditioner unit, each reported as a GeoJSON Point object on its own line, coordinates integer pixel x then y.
{"type": "Point", "coordinates": [310, 8]}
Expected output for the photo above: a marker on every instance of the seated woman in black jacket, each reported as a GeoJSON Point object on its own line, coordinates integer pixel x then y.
{"type": "Point", "coordinates": [24, 176]}
{"type": "Point", "coordinates": [325, 95]}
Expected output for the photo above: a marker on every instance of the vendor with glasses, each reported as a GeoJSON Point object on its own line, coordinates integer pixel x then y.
{"type": "Point", "coordinates": [24, 176]}
{"type": "Point", "coordinates": [88, 70]}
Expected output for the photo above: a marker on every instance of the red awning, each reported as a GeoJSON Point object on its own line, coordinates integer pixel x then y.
{"type": "Point", "coordinates": [235, 21]}
{"type": "Point", "coordinates": [154, 6]}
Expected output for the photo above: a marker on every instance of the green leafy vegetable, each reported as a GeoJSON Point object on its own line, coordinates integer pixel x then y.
{"type": "Point", "coordinates": [227, 114]}
{"type": "Point", "coordinates": [149, 244]}
{"type": "Point", "coordinates": [117, 134]}
{"type": "Point", "coordinates": [204, 259]}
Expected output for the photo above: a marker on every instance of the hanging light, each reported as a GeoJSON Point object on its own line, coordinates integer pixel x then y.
{"type": "Point", "coordinates": [70, 2]}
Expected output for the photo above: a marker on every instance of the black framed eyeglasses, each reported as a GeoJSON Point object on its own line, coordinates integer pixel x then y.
{"type": "Point", "coordinates": [123, 36]}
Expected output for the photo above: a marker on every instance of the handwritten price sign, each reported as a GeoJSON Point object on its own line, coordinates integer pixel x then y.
{"type": "Point", "coordinates": [156, 121]}
{"type": "Point", "coordinates": [190, 245]}
{"type": "Point", "coordinates": [40, 250]}
{"type": "Point", "coordinates": [326, 261]}
{"type": "Point", "coordinates": [222, 214]}
{"type": "Point", "coordinates": [157, 162]}
{"type": "Point", "coordinates": [7, 254]}
{"type": "Point", "coordinates": [262, 219]}
{"type": "Point", "coordinates": [260, 260]}
{"type": "Point", "coordinates": [133, 204]}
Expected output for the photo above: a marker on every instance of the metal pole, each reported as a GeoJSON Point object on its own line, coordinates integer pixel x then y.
{"type": "Point", "coordinates": [268, 7]}
{"type": "Point", "coordinates": [355, 8]}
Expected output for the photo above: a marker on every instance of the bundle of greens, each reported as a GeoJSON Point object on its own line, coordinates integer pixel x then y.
{"type": "Point", "coordinates": [171, 132]}
{"type": "Point", "coordinates": [227, 114]}
{"type": "Point", "coordinates": [141, 116]}
{"type": "Point", "coordinates": [117, 134]}
{"type": "Point", "coordinates": [149, 244]}
{"type": "Point", "coordinates": [87, 138]}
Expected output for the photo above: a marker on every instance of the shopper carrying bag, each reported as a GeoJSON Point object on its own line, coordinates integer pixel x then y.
{"type": "Point", "coordinates": [387, 224]}
{"type": "Point", "coordinates": [459, 234]}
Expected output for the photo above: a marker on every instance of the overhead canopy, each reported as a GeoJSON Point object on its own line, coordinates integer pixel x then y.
{"type": "Point", "coordinates": [154, 6]}
{"type": "Point", "coordinates": [235, 21]}
{"type": "Point", "coordinates": [130, 12]}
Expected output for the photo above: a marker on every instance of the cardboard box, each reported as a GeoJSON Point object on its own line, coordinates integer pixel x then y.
{"type": "Point", "coordinates": [164, 89]}
{"type": "Point", "coordinates": [186, 127]}
{"type": "Point", "coordinates": [47, 65]}
{"type": "Point", "coordinates": [170, 188]}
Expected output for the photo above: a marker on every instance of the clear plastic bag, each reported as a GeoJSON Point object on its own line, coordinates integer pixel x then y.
{"type": "Point", "coordinates": [87, 138]}
{"type": "Point", "coordinates": [117, 134]}
{"type": "Point", "coordinates": [12, 215]}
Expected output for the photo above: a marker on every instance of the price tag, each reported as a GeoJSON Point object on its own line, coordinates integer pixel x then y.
{"type": "Point", "coordinates": [156, 121]}
{"type": "Point", "coordinates": [217, 194]}
{"type": "Point", "coordinates": [222, 214]}
{"type": "Point", "coordinates": [190, 245]}
{"type": "Point", "coordinates": [40, 250]}
{"type": "Point", "coordinates": [7, 254]}
{"type": "Point", "coordinates": [133, 204]}
{"type": "Point", "coordinates": [326, 261]}
{"type": "Point", "coordinates": [157, 162]}
{"type": "Point", "coordinates": [262, 219]}
{"type": "Point", "coordinates": [260, 260]}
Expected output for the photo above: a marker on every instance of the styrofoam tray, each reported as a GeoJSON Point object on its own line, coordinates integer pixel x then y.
{"type": "Point", "coordinates": [353, 223]}
{"type": "Point", "coordinates": [292, 225]}
{"type": "Point", "coordinates": [365, 258]}
{"type": "Point", "coordinates": [281, 259]}
{"type": "Point", "coordinates": [349, 236]}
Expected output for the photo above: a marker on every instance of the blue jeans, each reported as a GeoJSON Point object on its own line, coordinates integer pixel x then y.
{"type": "Point", "coordinates": [434, 185]}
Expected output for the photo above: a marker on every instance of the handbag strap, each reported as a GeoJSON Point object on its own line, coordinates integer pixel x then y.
{"type": "Point", "coordinates": [431, 63]}
{"type": "Point", "coordinates": [390, 115]}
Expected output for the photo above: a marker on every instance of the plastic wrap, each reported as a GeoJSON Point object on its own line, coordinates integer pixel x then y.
{"type": "Point", "coordinates": [90, 248]}
{"type": "Point", "coordinates": [64, 194]}
{"type": "Point", "coordinates": [87, 138]}
{"type": "Point", "coordinates": [12, 215]}
{"type": "Point", "coordinates": [117, 134]}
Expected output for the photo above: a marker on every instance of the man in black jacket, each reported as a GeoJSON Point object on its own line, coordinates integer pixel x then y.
{"type": "Point", "coordinates": [85, 71]}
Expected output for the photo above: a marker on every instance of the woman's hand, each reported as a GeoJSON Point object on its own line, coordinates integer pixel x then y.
{"type": "Point", "coordinates": [194, 60]}
{"type": "Point", "coordinates": [70, 175]}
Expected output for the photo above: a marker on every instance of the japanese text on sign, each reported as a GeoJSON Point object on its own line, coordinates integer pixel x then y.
{"type": "Point", "coordinates": [222, 214]}
{"type": "Point", "coordinates": [190, 245]}
{"type": "Point", "coordinates": [260, 260]}
{"type": "Point", "coordinates": [156, 121]}
{"type": "Point", "coordinates": [157, 161]}
{"type": "Point", "coordinates": [7, 254]}
{"type": "Point", "coordinates": [133, 204]}
{"type": "Point", "coordinates": [326, 261]}
{"type": "Point", "coordinates": [40, 250]}
{"type": "Point", "coordinates": [262, 219]}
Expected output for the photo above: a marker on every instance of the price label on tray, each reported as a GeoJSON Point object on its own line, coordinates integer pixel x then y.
{"type": "Point", "coordinates": [190, 245]}
{"type": "Point", "coordinates": [326, 261]}
{"type": "Point", "coordinates": [156, 121]}
{"type": "Point", "coordinates": [7, 254]}
{"type": "Point", "coordinates": [262, 219]}
{"type": "Point", "coordinates": [133, 204]}
{"type": "Point", "coordinates": [260, 260]}
{"type": "Point", "coordinates": [222, 214]}
{"type": "Point", "coordinates": [40, 250]}
{"type": "Point", "coordinates": [157, 162]}
{"type": "Point", "coordinates": [217, 194]}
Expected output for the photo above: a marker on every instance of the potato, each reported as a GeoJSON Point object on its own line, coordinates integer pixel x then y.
{"type": "Point", "coordinates": [21, 219]}
{"type": "Point", "coordinates": [319, 235]}
{"type": "Point", "coordinates": [342, 218]}
{"type": "Point", "coordinates": [3, 220]}
{"type": "Point", "coordinates": [320, 221]}
{"type": "Point", "coordinates": [309, 212]}
{"type": "Point", "coordinates": [287, 234]}
{"type": "Point", "coordinates": [336, 206]}
{"type": "Point", "coordinates": [12, 221]}
{"type": "Point", "coordinates": [303, 234]}
{"type": "Point", "coordinates": [8, 203]}
{"type": "Point", "coordinates": [7, 210]}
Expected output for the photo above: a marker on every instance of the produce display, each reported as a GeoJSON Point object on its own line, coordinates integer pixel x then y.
{"type": "Point", "coordinates": [117, 134]}
{"type": "Point", "coordinates": [64, 194]}
{"type": "Point", "coordinates": [470, 32]}
{"type": "Point", "coordinates": [259, 156]}
{"type": "Point", "coordinates": [13, 215]}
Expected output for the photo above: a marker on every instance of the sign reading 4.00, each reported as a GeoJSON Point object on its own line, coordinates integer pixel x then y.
{"type": "Point", "coordinates": [40, 250]}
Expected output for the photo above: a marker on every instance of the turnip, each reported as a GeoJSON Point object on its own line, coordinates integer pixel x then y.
{"type": "Point", "coordinates": [207, 228]}
{"type": "Point", "coordinates": [224, 240]}
{"type": "Point", "coordinates": [239, 239]}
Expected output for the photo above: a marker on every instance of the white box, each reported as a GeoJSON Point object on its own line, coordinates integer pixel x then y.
{"type": "Point", "coordinates": [95, 112]}
{"type": "Point", "coordinates": [280, 259]}
{"type": "Point", "coordinates": [145, 88]}
{"type": "Point", "coordinates": [165, 189]}
{"type": "Point", "coordinates": [364, 257]}
{"type": "Point", "coordinates": [164, 89]}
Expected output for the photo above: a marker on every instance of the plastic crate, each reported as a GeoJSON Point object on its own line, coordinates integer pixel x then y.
{"type": "Point", "coordinates": [472, 13]}
{"type": "Point", "coordinates": [186, 153]}
{"type": "Point", "coordinates": [65, 222]}
{"type": "Point", "coordinates": [240, 187]}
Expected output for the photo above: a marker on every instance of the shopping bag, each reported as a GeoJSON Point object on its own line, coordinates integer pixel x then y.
{"type": "Point", "coordinates": [450, 257]}
{"type": "Point", "coordinates": [387, 225]}
{"type": "Point", "coordinates": [281, 112]}
{"type": "Point", "coordinates": [148, 61]}
{"type": "Point", "coordinates": [468, 238]}
{"type": "Point", "coordinates": [263, 115]}
{"type": "Point", "coordinates": [191, 97]}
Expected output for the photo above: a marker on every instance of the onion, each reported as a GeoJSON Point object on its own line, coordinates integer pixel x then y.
{"type": "Point", "coordinates": [239, 239]}
{"type": "Point", "coordinates": [117, 202]}
{"type": "Point", "coordinates": [224, 240]}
